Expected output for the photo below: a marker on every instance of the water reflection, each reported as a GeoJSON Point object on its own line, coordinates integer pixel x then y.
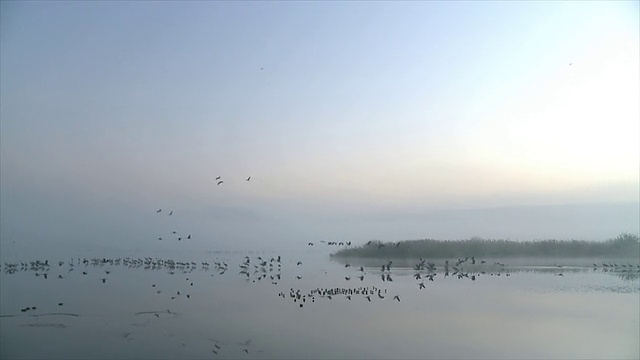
{"type": "Point", "coordinates": [234, 305]}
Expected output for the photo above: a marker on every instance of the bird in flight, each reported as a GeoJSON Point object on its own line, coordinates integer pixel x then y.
{"type": "Point", "coordinates": [218, 178]}
{"type": "Point", "coordinates": [158, 210]}
{"type": "Point", "coordinates": [220, 182]}
{"type": "Point", "coordinates": [171, 213]}
{"type": "Point", "coordinates": [249, 178]}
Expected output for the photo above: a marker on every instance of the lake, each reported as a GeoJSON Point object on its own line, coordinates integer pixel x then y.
{"type": "Point", "coordinates": [248, 304]}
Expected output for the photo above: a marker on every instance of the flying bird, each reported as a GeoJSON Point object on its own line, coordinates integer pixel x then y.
{"type": "Point", "coordinates": [249, 178]}
{"type": "Point", "coordinates": [220, 182]}
{"type": "Point", "coordinates": [171, 213]}
{"type": "Point", "coordinates": [158, 210]}
{"type": "Point", "coordinates": [218, 178]}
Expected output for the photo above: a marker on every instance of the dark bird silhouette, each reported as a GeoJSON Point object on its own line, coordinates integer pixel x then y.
{"type": "Point", "coordinates": [189, 237]}
{"type": "Point", "coordinates": [158, 210]}
{"type": "Point", "coordinates": [171, 213]}
{"type": "Point", "coordinates": [218, 178]}
{"type": "Point", "coordinates": [249, 178]}
{"type": "Point", "coordinates": [299, 263]}
{"type": "Point", "coordinates": [220, 182]}
{"type": "Point", "coordinates": [396, 298]}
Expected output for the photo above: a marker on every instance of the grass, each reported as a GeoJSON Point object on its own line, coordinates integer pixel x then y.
{"type": "Point", "coordinates": [624, 245]}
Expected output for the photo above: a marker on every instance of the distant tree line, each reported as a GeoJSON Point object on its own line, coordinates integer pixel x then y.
{"type": "Point", "coordinates": [624, 245]}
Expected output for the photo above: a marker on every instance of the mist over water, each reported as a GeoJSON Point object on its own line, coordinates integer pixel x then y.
{"type": "Point", "coordinates": [145, 308]}
{"type": "Point", "coordinates": [164, 166]}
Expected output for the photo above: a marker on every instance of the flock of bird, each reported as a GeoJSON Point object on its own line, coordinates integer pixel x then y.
{"type": "Point", "coordinates": [372, 283]}
{"type": "Point", "coordinates": [259, 269]}
{"type": "Point", "coordinates": [181, 237]}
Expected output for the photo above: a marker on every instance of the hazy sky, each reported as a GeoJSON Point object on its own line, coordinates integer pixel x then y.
{"type": "Point", "coordinates": [347, 115]}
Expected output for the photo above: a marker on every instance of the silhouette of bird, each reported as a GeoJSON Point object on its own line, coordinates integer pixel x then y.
{"type": "Point", "coordinates": [220, 182]}
{"type": "Point", "coordinates": [218, 178]}
{"type": "Point", "coordinates": [396, 298]}
{"type": "Point", "coordinates": [158, 210]}
{"type": "Point", "coordinates": [249, 178]}
{"type": "Point", "coordinates": [171, 213]}
{"type": "Point", "coordinates": [299, 263]}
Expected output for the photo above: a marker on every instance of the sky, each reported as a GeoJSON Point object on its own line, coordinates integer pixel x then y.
{"type": "Point", "coordinates": [355, 120]}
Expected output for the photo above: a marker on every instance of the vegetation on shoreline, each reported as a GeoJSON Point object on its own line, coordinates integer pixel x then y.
{"type": "Point", "coordinates": [624, 245]}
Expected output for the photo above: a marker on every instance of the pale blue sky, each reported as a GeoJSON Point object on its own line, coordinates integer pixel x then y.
{"type": "Point", "coordinates": [362, 109]}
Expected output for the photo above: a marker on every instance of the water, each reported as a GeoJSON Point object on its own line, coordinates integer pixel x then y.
{"type": "Point", "coordinates": [523, 309]}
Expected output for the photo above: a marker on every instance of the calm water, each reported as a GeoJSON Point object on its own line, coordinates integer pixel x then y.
{"type": "Point", "coordinates": [523, 309]}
